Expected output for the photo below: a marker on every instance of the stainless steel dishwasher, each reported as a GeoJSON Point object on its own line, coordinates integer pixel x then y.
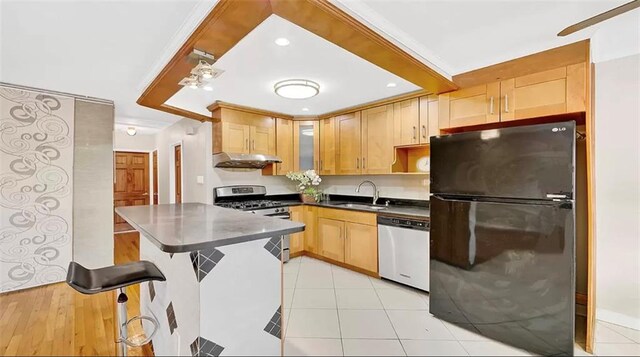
{"type": "Point", "coordinates": [403, 251]}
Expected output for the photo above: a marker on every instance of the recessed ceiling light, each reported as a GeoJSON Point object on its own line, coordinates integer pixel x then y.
{"type": "Point", "coordinates": [282, 41]}
{"type": "Point", "coordinates": [208, 88]}
{"type": "Point", "coordinates": [305, 109]}
{"type": "Point", "coordinates": [391, 85]}
{"type": "Point", "coordinates": [297, 88]}
{"type": "Point", "coordinates": [131, 131]}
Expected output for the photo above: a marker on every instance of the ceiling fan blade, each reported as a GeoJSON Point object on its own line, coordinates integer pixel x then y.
{"type": "Point", "coordinates": [600, 17]}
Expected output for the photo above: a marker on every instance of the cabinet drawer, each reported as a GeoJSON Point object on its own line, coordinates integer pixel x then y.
{"type": "Point", "coordinates": [348, 215]}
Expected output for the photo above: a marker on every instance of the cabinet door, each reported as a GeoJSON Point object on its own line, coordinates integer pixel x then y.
{"type": "Point", "coordinates": [284, 146]}
{"type": "Point", "coordinates": [263, 140]}
{"type": "Point", "coordinates": [557, 91]}
{"type": "Point", "coordinates": [306, 145]}
{"type": "Point", "coordinates": [470, 106]}
{"type": "Point", "coordinates": [235, 138]}
{"type": "Point", "coordinates": [428, 118]}
{"type": "Point", "coordinates": [405, 122]}
{"type": "Point", "coordinates": [361, 246]}
{"type": "Point", "coordinates": [348, 144]}
{"type": "Point", "coordinates": [310, 217]}
{"type": "Point", "coordinates": [377, 140]}
{"type": "Point", "coordinates": [331, 234]}
{"type": "Point", "coordinates": [296, 244]}
{"type": "Point", "coordinates": [327, 146]}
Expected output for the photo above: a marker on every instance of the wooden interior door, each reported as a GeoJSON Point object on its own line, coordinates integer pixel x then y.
{"type": "Point", "coordinates": [406, 122]}
{"type": "Point", "coordinates": [178, 172]}
{"type": "Point", "coordinates": [155, 177]}
{"type": "Point", "coordinates": [131, 185]}
{"type": "Point", "coordinates": [470, 106]}
{"type": "Point", "coordinates": [349, 144]}
{"type": "Point", "coordinates": [328, 146]}
{"type": "Point", "coordinates": [263, 140]}
{"type": "Point", "coordinates": [361, 246]}
{"type": "Point", "coordinates": [236, 138]}
{"type": "Point", "coordinates": [331, 237]}
{"type": "Point", "coordinates": [377, 140]}
{"type": "Point", "coordinates": [284, 145]}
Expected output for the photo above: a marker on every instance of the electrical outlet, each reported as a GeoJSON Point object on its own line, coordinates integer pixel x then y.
{"type": "Point", "coordinates": [200, 179]}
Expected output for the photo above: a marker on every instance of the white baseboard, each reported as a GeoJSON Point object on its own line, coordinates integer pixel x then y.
{"type": "Point", "coordinates": [618, 319]}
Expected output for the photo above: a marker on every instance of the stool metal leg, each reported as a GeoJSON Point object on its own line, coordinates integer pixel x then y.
{"type": "Point", "coordinates": [122, 321]}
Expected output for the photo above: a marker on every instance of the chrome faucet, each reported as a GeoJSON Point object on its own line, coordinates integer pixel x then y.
{"type": "Point", "coordinates": [376, 193]}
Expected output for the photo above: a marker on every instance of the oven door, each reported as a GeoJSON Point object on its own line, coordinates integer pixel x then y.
{"type": "Point", "coordinates": [286, 240]}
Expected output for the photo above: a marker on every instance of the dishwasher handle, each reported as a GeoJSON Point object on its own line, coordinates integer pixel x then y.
{"type": "Point", "coordinates": [416, 224]}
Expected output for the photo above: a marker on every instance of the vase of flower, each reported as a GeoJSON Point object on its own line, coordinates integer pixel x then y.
{"type": "Point", "coordinates": [306, 184]}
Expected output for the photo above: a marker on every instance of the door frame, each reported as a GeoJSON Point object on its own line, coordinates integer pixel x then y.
{"type": "Point", "coordinates": [172, 170]}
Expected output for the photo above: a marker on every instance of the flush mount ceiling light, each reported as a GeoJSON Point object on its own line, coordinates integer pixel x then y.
{"type": "Point", "coordinates": [391, 85]}
{"type": "Point", "coordinates": [282, 41]}
{"type": "Point", "coordinates": [131, 131]}
{"type": "Point", "coordinates": [297, 88]}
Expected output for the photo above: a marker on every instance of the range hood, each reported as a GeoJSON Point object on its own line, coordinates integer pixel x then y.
{"type": "Point", "coordinates": [243, 161]}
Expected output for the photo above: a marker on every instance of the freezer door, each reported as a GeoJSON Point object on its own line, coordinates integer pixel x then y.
{"type": "Point", "coordinates": [529, 162]}
{"type": "Point", "coordinates": [506, 271]}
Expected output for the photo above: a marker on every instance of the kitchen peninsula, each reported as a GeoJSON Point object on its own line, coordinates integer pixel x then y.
{"type": "Point", "coordinates": [223, 293]}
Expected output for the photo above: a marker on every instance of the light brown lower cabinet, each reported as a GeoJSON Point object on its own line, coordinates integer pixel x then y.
{"type": "Point", "coordinates": [361, 246]}
{"type": "Point", "coordinates": [331, 233]}
{"type": "Point", "coordinates": [309, 217]}
{"type": "Point", "coordinates": [296, 242]}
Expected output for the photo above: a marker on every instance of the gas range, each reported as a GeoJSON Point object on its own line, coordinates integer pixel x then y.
{"type": "Point", "coordinates": [249, 198]}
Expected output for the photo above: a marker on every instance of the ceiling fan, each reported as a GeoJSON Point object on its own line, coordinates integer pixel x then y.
{"type": "Point", "coordinates": [599, 18]}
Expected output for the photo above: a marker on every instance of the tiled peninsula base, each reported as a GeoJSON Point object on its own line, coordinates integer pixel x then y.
{"type": "Point", "coordinates": [223, 301]}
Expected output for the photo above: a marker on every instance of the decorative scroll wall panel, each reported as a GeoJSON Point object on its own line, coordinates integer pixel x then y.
{"type": "Point", "coordinates": [36, 163]}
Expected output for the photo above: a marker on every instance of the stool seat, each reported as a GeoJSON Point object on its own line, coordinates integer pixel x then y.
{"type": "Point", "coordinates": [93, 281]}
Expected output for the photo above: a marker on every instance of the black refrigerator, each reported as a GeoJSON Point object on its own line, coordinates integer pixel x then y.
{"type": "Point", "coordinates": [503, 234]}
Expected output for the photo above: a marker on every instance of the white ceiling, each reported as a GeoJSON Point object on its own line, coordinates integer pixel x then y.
{"type": "Point", "coordinates": [256, 63]}
{"type": "Point", "coordinates": [102, 49]}
{"type": "Point", "coordinates": [458, 36]}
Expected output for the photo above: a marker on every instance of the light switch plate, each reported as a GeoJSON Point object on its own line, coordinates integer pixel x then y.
{"type": "Point", "coordinates": [200, 179]}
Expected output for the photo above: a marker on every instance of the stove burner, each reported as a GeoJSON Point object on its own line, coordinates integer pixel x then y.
{"type": "Point", "coordinates": [248, 205]}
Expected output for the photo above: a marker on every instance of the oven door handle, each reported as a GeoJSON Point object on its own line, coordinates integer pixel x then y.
{"type": "Point", "coordinates": [280, 215]}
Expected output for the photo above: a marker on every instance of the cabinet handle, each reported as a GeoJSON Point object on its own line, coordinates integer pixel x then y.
{"type": "Point", "coordinates": [363, 163]}
{"type": "Point", "coordinates": [320, 165]}
{"type": "Point", "coordinates": [247, 144]}
{"type": "Point", "coordinates": [506, 103]}
{"type": "Point", "coordinates": [491, 105]}
{"type": "Point", "coordinates": [357, 162]}
{"type": "Point", "coordinates": [424, 131]}
{"type": "Point", "coordinates": [414, 133]}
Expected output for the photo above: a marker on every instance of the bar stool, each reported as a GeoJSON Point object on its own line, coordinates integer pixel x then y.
{"type": "Point", "coordinates": [93, 281]}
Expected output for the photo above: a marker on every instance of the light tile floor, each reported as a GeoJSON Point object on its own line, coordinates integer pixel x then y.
{"type": "Point", "coordinates": [331, 311]}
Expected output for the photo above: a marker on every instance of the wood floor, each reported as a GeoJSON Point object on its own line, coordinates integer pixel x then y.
{"type": "Point", "coordinates": [56, 320]}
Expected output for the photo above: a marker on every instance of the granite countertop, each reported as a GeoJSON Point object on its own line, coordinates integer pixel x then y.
{"type": "Point", "coordinates": [397, 207]}
{"type": "Point", "coordinates": [186, 227]}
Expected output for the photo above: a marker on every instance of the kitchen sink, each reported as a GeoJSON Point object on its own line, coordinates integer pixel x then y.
{"type": "Point", "coordinates": [362, 206]}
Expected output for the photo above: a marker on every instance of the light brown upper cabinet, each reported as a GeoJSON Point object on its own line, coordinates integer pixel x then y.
{"type": "Point", "coordinates": [236, 131]}
{"type": "Point", "coordinates": [377, 140]}
{"type": "Point", "coordinates": [306, 145]}
{"type": "Point", "coordinates": [428, 118]}
{"type": "Point", "coordinates": [406, 122]}
{"type": "Point", "coordinates": [552, 92]}
{"type": "Point", "coordinates": [235, 138]}
{"type": "Point", "coordinates": [284, 145]}
{"type": "Point", "coordinates": [349, 144]}
{"type": "Point", "coordinates": [556, 91]}
{"type": "Point", "coordinates": [470, 106]}
{"type": "Point", "coordinates": [328, 146]}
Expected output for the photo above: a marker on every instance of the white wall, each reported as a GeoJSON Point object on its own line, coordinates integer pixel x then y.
{"type": "Point", "coordinates": [124, 142]}
{"type": "Point", "coordinates": [616, 53]}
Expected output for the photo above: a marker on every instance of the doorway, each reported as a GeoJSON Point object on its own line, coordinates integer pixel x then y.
{"type": "Point", "coordinates": [131, 184]}
{"type": "Point", "coordinates": [178, 172]}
